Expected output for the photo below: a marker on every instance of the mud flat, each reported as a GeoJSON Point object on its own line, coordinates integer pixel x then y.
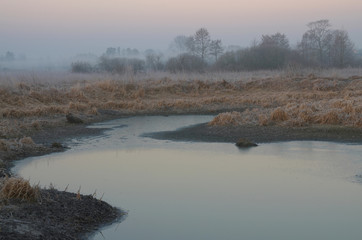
{"type": "Point", "coordinates": [261, 134]}
{"type": "Point", "coordinates": [53, 214]}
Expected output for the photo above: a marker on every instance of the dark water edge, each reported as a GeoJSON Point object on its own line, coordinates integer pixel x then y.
{"type": "Point", "coordinates": [199, 133]}
{"type": "Point", "coordinates": [260, 134]}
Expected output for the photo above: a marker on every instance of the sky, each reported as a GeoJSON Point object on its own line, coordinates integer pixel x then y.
{"type": "Point", "coordinates": [67, 27]}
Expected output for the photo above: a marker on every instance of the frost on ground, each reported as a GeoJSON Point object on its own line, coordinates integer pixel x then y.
{"type": "Point", "coordinates": [28, 106]}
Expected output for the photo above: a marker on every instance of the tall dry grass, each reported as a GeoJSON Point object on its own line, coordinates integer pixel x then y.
{"type": "Point", "coordinates": [18, 188]}
{"type": "Point", "coordinates": [34, 101]}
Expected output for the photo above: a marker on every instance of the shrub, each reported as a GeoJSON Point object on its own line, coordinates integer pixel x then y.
{"type": "Point", "coordinates": [121, 65]}
{"type": "Point", "coordinates": [185, 63]}
{"type": "Point", "coordinates": [81, 67]}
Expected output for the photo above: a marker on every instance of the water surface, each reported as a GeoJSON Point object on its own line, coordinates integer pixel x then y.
{"type": "Point", "coordinates": [185, 190]}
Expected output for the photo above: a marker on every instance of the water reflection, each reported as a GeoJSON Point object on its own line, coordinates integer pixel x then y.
{"type": "Point", "coordinates": [294, 190]}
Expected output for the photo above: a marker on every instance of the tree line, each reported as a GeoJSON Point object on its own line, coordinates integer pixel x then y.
{"type": "Point", "coordinates": [321, 46]}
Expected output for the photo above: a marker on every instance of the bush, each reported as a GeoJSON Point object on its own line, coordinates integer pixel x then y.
{"type": "Point", "coordinates": [258, 58]}
{"type": "Point", "coordinates": [185, 63]}
{"type": "Point", "coordinates": [81, 67]}
{"type": "Point", "coordinates": [121, 65]}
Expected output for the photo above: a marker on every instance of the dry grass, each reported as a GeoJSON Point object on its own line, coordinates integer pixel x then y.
{"type": "Point", "coordinates": [26, 141]}
{"type": "Point", "coordinates": [228, 118]}
{"type": "Point", "coordinates": [32, 102]}
{"type": "Point", "coordinates": [18, 188]}
{"type": "Point", "coordinates": [279, 115]}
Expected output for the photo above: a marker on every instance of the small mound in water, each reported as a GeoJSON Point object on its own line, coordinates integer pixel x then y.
{"type": "Point", "coordinates": [244, 143]}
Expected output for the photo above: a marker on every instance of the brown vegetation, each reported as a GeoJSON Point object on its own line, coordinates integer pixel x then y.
{"type": "Point", "coordinates": [18, 188]}
{"type": "Point", "coordinates": [299, 100]}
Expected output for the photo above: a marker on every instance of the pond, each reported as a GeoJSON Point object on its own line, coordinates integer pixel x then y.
{"type": "Point", "coordinates": [194, 190]}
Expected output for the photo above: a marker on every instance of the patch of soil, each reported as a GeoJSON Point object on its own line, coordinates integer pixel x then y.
{"type": "Point", "coordinates": [261, 134]}
{"type": "Point", "coordinates": [56, 215]}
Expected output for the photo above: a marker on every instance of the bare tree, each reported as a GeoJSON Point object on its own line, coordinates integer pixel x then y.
{"type": "Point", "coordinates": [154, 60]}
{"type": "Point", "coordinates": [341, 49]}
{"type": "Point", "coordinates": [111, 52]}
{"type": "Point", "coordinates": [276, 40]}
{"type": "Point", "coordinates": [216, 48]}
{"type": "Point", "coordinates": [9, 56]}
{"type": "Point", "coordinates": [190, 45]}
{"type": "Point", "coordinates": [202, 43]}
{"type": "Point", "coordinates": [315, 42]}
{"type": "Point", "coordinates": [180, 44]}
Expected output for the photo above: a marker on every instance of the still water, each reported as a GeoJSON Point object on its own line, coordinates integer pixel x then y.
{"type": "Point", "coordinates": [188, 190]}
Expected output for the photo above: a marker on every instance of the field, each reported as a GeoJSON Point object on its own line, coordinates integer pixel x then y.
{"type": "Point", "coordinates": [33, 103]}
{"type": "Point", "coordinates": [30, 102]}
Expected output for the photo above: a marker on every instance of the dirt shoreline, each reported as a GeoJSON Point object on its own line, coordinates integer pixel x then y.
{"type": "Point", "coordinates": [261, 134]}
{"type": "Point", "coordinates": [55, 214]}
{"type": "Point", "coordinates": [63, 215]}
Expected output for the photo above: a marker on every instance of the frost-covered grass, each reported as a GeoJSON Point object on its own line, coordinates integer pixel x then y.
{"type": "Point", "coordinates": [31, 100]}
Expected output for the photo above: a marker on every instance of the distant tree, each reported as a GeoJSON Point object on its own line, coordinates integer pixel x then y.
{"type": "Point", "coordinates": [111, 52]}
{"type": "Point", "coordinates": [185, 63]}
{"type": "Point", "coordinates": [276, 40]}
{"type": "Point", "coordinates": [202, 42]}
{"type": "Point", "coordinates": [120, 65]}
{"type": "Point", "coordinates": [228, 61]}
{"type": "Point", "coordinates": [154, 60]}
{"type": "Point", "coordinates": [180, 44]}
{"type": "Point", "coordinates": [323, 46]}
{"type": "Point", "coordinates": [216, 48]}
{"type": "Point", "coordinates": [129, 52]}
{"type": "Point", "coordinates": [271, 52]}
{"type": "Point", "coordinates": [190, 45]}
{"type": "Point", "coordinates": [315, 42]}
{"type": "Point", "coordinates": [341, 49]}
{"type": "Point", "coordinates": [81, 67]}
{"type": "Point", "coordinates": [9, 56]}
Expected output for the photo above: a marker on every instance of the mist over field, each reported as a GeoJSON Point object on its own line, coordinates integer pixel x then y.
{"type": "Point", "coordinates": [52, 35]}
{"type": "Point", "coordinates": [158, 101]}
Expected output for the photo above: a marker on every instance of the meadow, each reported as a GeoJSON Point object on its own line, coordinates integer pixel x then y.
{"type": "Point", "coordinates": [33, 101]}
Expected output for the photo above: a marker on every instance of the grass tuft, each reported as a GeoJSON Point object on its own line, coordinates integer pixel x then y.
{"type": "Point", "coordinates": [279, 115]}
{"type": "Point", "coordinates": [20, 189]}
{"type": "Point", "coordinates": [228, 118]}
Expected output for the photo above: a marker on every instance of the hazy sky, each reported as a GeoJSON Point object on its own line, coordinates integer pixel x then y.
{"type": "Point", "coordinates": [68, 27]}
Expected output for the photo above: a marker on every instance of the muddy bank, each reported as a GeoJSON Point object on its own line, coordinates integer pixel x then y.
{"type": "Point", "coordinates": [261, 134]}
{"type": "Point", "coordinates": [62, 215]}
{"type": "Point", "coordinates": [55, 214]}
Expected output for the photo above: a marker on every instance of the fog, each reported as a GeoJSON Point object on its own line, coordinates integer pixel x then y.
{"type": "Point", "coordinates": [52, 33]}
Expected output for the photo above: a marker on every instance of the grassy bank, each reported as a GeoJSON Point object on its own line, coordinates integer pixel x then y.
{"type": "Point", "coordinates": [32, 103]}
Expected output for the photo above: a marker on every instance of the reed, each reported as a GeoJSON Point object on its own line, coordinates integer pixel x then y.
{"type": "Point", "coordinates": [34, 101]}
{"type": "Point", "coordinates": [18, 188]}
